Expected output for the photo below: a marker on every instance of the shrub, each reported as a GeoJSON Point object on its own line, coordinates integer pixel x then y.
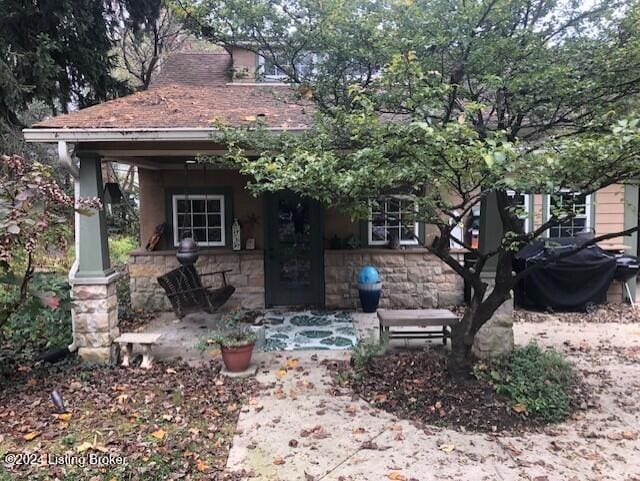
{"type": "Point", "coordinates": [538, 381]}
{"type": "Point", "coordinates": [44, 319]}
{"type": "Point", "coordinates": [119, 248]}
{"type": "Point", "coordinates": [364, 353]}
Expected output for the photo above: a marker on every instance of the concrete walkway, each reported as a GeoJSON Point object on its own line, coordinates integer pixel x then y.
{"type": "Point", "coordinates": [301, 428]}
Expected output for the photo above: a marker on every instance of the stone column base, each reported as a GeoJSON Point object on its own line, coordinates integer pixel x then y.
{"type": "Point", "coordinates": [495, 338]}
{"type": "Point", "coordinates": [94, 314]}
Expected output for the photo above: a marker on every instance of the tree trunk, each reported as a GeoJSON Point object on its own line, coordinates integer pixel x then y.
{"type": "Point", "coordinates": [479, 311]}
{"type": "Point", "coordinates": [460, 359]}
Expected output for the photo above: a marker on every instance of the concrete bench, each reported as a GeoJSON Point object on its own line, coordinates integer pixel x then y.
{"type": "Point", "coordinates": [143, 339]}
{"type": "Point", "coordinates": [415, 323]}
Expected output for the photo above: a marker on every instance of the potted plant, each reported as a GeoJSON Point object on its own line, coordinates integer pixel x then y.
{"type": "Point", "coordinates": [236, 344]}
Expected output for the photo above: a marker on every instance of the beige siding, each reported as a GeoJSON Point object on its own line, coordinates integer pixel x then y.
{"type": "Point", "coordinates": [154, 185]}
{"type": "Point", "coordinates": [609, 209]}
{"type": "Point", "coordinates": [244, 65]}
{"type": "Point", "coordinates": [538, 214]}
{"type": "Point", "coordinates": [153, 211]}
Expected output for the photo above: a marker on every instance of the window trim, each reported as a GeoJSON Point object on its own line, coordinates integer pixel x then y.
{"type": "Point", "coordinates": [261, 63]}
{"type": "Point", "coordinates": [527, 208]}
{"type": "Point", "coordinates": [176, 227]}
{"type": "Point", "coordinates": [416, 228]}
{"type": "Point", "coordinates": [587, 215]}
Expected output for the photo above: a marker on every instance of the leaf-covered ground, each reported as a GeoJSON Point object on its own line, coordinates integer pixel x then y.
{"type": "Point", "coordinates": [416, 386]}
{"type": "Point", "coordinates": [618, 313]}
{"type": "Point", "coordinates": [171, 422]}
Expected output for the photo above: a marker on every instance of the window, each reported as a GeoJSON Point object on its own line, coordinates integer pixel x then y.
{"type": "Point", "coordinates": [522, 205]}
{"type": "Point", "coordinates": [202, 215]}
{"type": "Point", "coordinates": [393, 217]}
{"type": "Point", "coordinates": [268, 69]}
{"type": "Point", "coordinates": [581, 207]}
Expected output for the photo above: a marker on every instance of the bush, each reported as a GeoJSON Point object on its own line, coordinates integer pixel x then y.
{"type": "Point", "coordinates": [538, 382]}
{"type": "Point", "coordinates": [119, 248]}
{"type": "Point", "coordinates": [364, 353]}
{"type": "Point", "coordinates": [44, 319]}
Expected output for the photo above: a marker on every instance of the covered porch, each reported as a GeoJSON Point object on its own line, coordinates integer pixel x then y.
{"type": "Point", "coordinates": [272, 272]}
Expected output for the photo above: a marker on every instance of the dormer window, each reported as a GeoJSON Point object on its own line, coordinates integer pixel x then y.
{"type": "Point", "coordinates": [269, 71]}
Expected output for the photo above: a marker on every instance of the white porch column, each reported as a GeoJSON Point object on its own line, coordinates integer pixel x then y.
{"type": "Point", "coordinates": [95, 304]}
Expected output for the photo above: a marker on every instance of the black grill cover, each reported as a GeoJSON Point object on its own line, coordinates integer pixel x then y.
{"type": "Point", "coordinates": [571, 282]}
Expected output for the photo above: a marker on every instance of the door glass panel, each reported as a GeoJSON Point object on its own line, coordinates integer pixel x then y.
{"type": "Point", "coordinates": [294, 242]}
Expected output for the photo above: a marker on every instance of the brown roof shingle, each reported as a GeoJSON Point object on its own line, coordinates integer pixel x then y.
{"type": "Point", "coordinates": [192, 92]}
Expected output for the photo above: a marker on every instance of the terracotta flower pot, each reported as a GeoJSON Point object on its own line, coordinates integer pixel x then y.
{"type": "Point", "coordinates": [237, 358]}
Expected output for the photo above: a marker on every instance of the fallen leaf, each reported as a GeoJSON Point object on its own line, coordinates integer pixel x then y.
{"type": "Point", "coordinates": [32, 435]}
{"type": "Point", "coordinates": [396, 476]}
{"type": "Point", "coordinates": [159, 434]}
{"type": "Point", "coordinates": [65, 417]}
{"type": "Point", "coordinates": [630, 435]}
{"type": "Point", "coordinates": [447, 448]}
{"type": "Point", "coordinates": [202, 466]}
{"type": "Point", "coordinates": [292, 363]}
{"type": "Point", "coordinates": [280, 373]}
{"type": "Point", "coordinates": [278, 461]}
{"type": "Point", "coordinates": [519, 408]}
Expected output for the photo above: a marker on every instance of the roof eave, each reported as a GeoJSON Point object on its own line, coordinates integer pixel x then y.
{"type": "Point", "coordinates": [132, 134]}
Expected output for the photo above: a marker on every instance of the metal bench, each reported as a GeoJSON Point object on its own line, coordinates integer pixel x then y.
{"type": "Point", "coordinates": [144, 339]}
{"type": "Point", "coordinates": [408, 320]}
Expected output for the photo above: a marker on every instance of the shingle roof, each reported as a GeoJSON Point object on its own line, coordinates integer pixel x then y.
{"type": "Point", "coordinates": [192, 91]}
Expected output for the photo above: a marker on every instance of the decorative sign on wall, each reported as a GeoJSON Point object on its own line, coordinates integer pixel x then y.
{"type": "Point", "coordinates": [235, 235]}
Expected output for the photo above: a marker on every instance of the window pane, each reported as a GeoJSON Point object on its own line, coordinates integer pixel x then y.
{"type": "Point", "coordinates": [213, 205]}
{"type": "Point", "coordinates": [184, 220]}
{"type": "Point", "coordinates": [393, 206]}
{"type": "Point", "coordinates": [378, 233]}
{"type": "Point", "coordinates": [198, 205]}
{"type": "Point", "coordinates": [200, 235]}
{"type": "Point", "coordinates": [215, 220]}
{"type": "Point", "coordinates": [215, 235]}
{"type": "Point", "coordinates": [393, 231]}
{"type": "Point", "coordinates": [181, 205]}
{"type": "Point", "coordinates": [408, 233]}
{"type": "Point", "coordinates": [199, 220]}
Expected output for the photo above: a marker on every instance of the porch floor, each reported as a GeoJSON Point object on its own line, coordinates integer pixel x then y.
{"type": "Point", "coordinates": [345, 329]}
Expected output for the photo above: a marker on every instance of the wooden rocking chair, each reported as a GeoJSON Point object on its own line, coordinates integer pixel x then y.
{"type": "Point", "coordinates": [187, 294]}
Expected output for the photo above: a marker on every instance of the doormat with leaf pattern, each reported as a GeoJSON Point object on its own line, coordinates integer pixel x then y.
{"type": "Point", "coordinates": [305, 330]}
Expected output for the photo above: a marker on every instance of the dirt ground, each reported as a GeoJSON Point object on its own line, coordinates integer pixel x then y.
{"type": "Point", "coordinates": [303, 427]}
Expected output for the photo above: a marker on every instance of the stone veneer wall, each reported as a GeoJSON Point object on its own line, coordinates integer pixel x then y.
{"type": "Point", "coordinates": [94, 315]}
{"type": "Point", "coordinates": [412, 278]}
{"type": "Point", "coordinates": [247, 277]}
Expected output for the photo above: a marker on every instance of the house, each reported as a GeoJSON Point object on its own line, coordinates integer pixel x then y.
{"type": "Point", "coordinates": [303, 254]}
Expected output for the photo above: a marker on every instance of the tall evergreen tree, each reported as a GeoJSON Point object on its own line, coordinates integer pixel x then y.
{"type": "Point", "coordinates": [55, 51]}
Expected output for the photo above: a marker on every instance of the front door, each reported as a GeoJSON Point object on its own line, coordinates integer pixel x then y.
{"type": "Point", "coordinates": [294, 264]}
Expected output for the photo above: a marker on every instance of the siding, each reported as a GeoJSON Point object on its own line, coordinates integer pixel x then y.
{"type": "Point", "coordinates": [609, 203]}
